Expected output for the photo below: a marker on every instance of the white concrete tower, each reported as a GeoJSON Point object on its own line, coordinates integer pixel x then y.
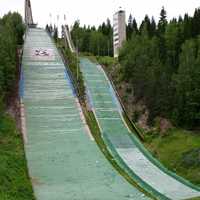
{"type": "Point", "coordinates": [119, 31]}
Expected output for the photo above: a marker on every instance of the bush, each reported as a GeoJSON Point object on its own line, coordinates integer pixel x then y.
{"type": "Point", "coordinates": [11, 35]}
{"type": "Point", "coordinates": [106, 61]}
{"type": "Point", "coordinates": [136, 116]}
{"type": "Point", "coordinates": [2, 106]}
{"type": "Point", "coordinates": [191, 158]}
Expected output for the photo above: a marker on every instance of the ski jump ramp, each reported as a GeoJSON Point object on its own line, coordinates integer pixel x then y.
{"type": "Point", "coordinates": [131, 155]}
{"type": "Point", "coordinates": [68, 39]}
{"type": "Point", "coordinates": [63, 162]}
{"type": "Point", "coordinates": [124, 146]}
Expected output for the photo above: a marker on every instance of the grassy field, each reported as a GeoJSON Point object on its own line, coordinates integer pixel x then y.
{"type": "Point", "coordinates": [14, 181]}
{"type": "Point", "coordinates": [177, 152]}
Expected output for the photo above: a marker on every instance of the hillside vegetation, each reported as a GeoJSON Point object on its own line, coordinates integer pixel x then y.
{"type": "Point", "coordinates": [161, 64]}
{"type": "Point", "coordinates": [14, 181]}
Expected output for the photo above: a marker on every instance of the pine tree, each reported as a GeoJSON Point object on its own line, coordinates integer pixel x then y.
{"type": "Point", "coordinates": [187, 27]}
{"type": "Point", "coordinates": [152, 27]}
{"type": "Point", "coordinates": [147, 24]}
{"type": "Point", "coordinates": [129, 28]}
{"type": "Point", "coordinates": [11, 35]}
{"type": "Point", "coordinates": [196, 23]}
{"type": "Point", "coordinates": [162, 22]}
{"type": "Point", "coordinates": [187, 112]}
{"type": "Point", "coordinates": [180, 19]}
{"type": "Point", "coordinates": [55, 35]}
{"type": "Point", "coordinates": [135, 26]}
{"type": "Point", "coordinates": [161, 30]}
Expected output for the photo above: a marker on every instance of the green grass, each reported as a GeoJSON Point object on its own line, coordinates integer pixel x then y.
{"type": "Point", "coordinates": [14, 181]}
{"type": "Point", "coordinates": [106, 61]}
{"type": "Point", "coordinates": [170, 151]}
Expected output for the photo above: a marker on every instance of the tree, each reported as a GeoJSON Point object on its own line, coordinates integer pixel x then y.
{"type": "Point", "coordinates": [14, 22]}
{"type": "Point", "coordinates": [152, 29]}
{"type": "Point", "coordinates": [187, 27]}
{"type": "Point", "coordinates": [2, 106]}
{"type": "Point", "coordinates": [187, 82]}
{"type": "Point", "coordinates": [129, 27]}
{"type": "Point", "coordinates": [161, 30]}
{"type": "Point", "coordinates": [147, 24]}
{"type": "Point", "coordinates": [173, 41]}
{"type": "Point", "coordinates": [135, 27]}
{"type": "Point", "coordinates": [162, 22]}
{"type": "Point", "coordinates": [47, 29]}
{"type": "Point", "coordinates": [97, 42]}
{"type": "Point", "coordinates": [55, 34]}
{"type": "Point", "coordinates": [196, 23]}
{"type": "Point", "coordinates": [11, 35]}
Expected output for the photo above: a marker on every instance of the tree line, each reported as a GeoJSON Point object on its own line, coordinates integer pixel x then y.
{"type": "Point", "coordinates": [11, 35]}
{"type": "Point", "coordinates": [161, 62]}
{"type": "Point", "coordinates": [98, 41]}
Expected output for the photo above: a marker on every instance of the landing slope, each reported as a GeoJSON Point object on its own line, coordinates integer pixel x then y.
{"type": "Point", "coordinates": [64, 163]}
{"type": "Point", "coordinates": [129, 152]}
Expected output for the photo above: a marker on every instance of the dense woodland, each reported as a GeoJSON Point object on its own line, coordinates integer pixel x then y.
{"type": "Point", "coordinates": [11, 35]}
{"type": "Point", "coordinates": [98, 41]}
{"type": "Point", "coordinates": [161, 62]}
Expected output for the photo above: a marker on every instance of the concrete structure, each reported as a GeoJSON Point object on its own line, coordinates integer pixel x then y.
{"type": "Point", "coordinates": [119, 30]}
{"type": "Point", "coordinates": [28, 14]}
{"type": "Point", "coordinates": [67, 38]}
{"type": "Point", "coordinates": [63, 160]}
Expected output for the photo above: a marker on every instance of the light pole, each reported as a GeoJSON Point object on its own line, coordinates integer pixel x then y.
{"type": "Point", "coordinates": [50, 16]}
{"type": "Point", "coordinates": [57, 25]}
{"type": "Point", "coordinates": [98, 48]}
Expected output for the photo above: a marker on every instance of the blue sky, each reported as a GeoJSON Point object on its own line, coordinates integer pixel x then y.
{"type": "Point", "coordinates": [93, 12]}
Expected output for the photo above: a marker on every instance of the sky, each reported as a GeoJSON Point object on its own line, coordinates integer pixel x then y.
{"type": "Point", "coordinates": [93, 12]}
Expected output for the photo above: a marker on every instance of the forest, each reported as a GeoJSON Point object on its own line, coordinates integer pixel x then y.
{"type": "Point", "coordinates": [161, 62]}
{"type": "Point", "coordinates": [11, 36]}
{"type": "Point", "coordinates": [97, 41]}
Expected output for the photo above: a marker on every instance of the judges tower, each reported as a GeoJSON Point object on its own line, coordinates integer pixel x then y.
{"type": "Point", "coordinates": [119, 30]}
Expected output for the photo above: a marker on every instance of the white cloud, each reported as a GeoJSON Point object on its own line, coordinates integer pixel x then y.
{"type": "Point", "coordinates": [94, 12]}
